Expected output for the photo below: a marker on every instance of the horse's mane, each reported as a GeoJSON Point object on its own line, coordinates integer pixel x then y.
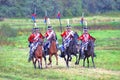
{"type": "Point", "coordinates": [53, 48]}
{"type": "Point", "coordinates": [90, 47]}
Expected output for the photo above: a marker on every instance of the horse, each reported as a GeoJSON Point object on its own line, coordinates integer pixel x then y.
{"type": "Point", "coordinates": [88, 53]}
{"type": "Point", "coordinates": [38, 55]}
{"type": "Point", "coordinates": [71, 50]}
{"type": "Point", "coordinates": [53, 50]}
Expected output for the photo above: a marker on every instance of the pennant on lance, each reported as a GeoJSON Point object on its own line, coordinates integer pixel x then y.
{"type": "Point", "coordinates": [58, 15]}
{"type": "Point", "coordinates": [33, 17]}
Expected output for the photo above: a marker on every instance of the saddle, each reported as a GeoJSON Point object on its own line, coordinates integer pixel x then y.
{"type": "Point", "coordinates": [84, 45]}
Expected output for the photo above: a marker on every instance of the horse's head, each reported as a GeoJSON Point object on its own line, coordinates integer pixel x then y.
{"type": "Point", "coordinates": [53, 48]}
{"type": "Point", "coordinates": [75, 38]}
{"type": "Point", "coordinates": [40, 41]}
{"type": "Point", "coordinates": [91, 43]}
{"type": "Point", "coordinates": [91, 46]}
{"type": "Point", "coordinates": [76, 35]}
{"type": "Point", "coordinates": [53, 38]}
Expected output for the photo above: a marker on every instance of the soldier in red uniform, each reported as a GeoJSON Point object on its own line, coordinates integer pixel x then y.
{"type": "Point", "coordinates": [67, 36]}
{"type": "Point", "coordinates": [85, 37]}
{"type": "Point", "coordinates": [48, 35]}
{"type": "Point", "coordinates": [33, 40]}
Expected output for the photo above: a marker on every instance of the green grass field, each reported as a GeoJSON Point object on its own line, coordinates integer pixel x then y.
{"type": "Point", "coordinates": [14, 65]}
{"type": "Point", "coordinates": [92, 21]}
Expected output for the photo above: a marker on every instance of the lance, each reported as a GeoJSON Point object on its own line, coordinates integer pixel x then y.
{"type": "Point", "coordinates": [82, 20]}
{"type": "Point", "coordinates": [60, 25]}
{"type": "Point", "coordinates": [46, 20]}
{"type": "Point", "coordinates": [68, 22]}
{"type": "Point", "coordinates": [59, 17]}
{"type": "Point", "coordinates": [85, 22]}
{"type": "Point", "coordinates": [34, 15]}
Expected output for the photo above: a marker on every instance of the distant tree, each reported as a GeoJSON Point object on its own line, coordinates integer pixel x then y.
{"type": "Point", "coordinates": [24, 8]}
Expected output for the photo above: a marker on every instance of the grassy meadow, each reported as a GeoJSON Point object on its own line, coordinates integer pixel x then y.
{"type": "Point", "coordinates": [14, 53]}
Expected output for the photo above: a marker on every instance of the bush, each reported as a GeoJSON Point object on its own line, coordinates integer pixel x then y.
{"type": "Point", "coordinates": [7, 31]}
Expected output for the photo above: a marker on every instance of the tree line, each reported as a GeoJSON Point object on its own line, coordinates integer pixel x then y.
{"type": "Point", "coordinates": [68, 8]}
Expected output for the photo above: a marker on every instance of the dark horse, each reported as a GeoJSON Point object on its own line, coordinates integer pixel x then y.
{"type": "Point", "coordinates": [89, 52]}
{"type": "Point", "coordinates": [38, 54]}
{"type": "Point", "coordinates": [53, 50]}
{"type": "Point", "coordinates": [71, 50]}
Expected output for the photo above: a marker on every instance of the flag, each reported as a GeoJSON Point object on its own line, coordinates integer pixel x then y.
{"type": "Point", "coordinates": [58, 15]}
{"type": "Point", "coordinates": [33, 17]}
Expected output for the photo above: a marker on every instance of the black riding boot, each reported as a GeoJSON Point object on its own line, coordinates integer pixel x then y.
{"type": "Point", "coordinates": [30, 57]}
{"type": "Point", "coordinates": [47, 52]}
{"type": "Point", "coordinates": [62, 54]}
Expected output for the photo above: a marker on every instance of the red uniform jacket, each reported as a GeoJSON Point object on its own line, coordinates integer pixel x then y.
{"type": "Point", "coordinates": [85, 37]}
{"type": "Point", "coordinates": [48, 34]}
{"type": "Point", "coordinates": [66, 33]}
{"type": "Point", "coordinates": [34, 38]}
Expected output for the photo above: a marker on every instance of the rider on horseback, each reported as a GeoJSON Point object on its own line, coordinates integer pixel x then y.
{"type": "Point", "coordinates": [48, 35]}
{"type": "Point", "coordinates": [85, 37]}
{"type": "Point", "coordinates": [67, 36]}
{"type": "Point", "coordinates": [33, 40]}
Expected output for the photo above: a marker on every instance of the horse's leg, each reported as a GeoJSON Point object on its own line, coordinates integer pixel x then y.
{"type": "Point", "coordinates": [93, 61]}
{"type": "Point", "coordinates": [38, 63]}
{"type": "Point", "coordinates": [84, 62]}
{"type": "Point", "coordinates": [88, 62]}
{"type": "Point", "coordinates": [76, 59]}
{"type": "Point", "coordinates": [56, 58]}
{"type": "Point", "coordinates": [50, 61]}
{"type": "Point", "coordinates": [79, 58]}
{"type": "Point", "coordinates": [70, 58]}
{"type": "Point", "coordinates": [65, 57]}
{"type": "Point", "coordinates": [67, 61]}
{"type": "Point", "coordinates": [45, 60]}
{"type": "Point", "coordinates": [41, 62]}
{"type": "Point", "coordinates": [35, 63]}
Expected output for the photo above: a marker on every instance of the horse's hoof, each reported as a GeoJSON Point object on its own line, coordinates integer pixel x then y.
{"type": "Point", "coordinates": [76, 63]}
{"type": "Point", "coordinates": [67, 66]}
{"type": "Point", "coordinates": [46, 66]}
{"type": "Point", "coordinates": [49, 63]}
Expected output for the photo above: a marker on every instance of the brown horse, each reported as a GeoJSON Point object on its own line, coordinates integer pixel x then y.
{"type": "Point", "coordinates": [53, 51]}
{"type": "Point", "coordinates": [38, 54]}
